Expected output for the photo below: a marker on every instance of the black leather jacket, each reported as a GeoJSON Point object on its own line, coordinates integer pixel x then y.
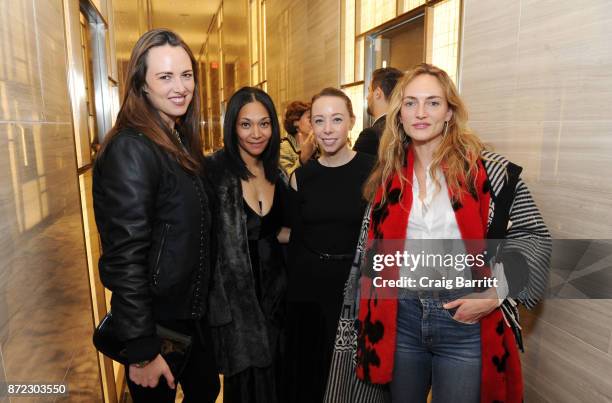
{"type": "Point", "coordinates": [154, 223]}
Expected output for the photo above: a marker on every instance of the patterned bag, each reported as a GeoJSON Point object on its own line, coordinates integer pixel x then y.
{"type": "Point", "coordinates": [343, 386]}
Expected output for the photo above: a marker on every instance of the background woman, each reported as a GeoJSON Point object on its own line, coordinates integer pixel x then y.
{"type": "Point", "coordinates": [153, 217]}
{"type": "Point", "coordinates": [434, 180]}
{"type": "Point", "coordinates": [299, 145]}
{"type": "Point", "coordinates": [247, 304]}
{"type": "Point", "coordinates": [327, 209]}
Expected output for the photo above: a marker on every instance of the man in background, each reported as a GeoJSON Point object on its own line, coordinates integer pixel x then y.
{"type": "Point", "coordinates": [379, 91]}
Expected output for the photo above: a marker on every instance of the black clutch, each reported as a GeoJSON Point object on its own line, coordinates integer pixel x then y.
{"type": "Point", "coordinates": [175, 346]}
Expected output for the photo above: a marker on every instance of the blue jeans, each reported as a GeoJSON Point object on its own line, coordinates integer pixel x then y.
{"type": "Point", "coordinates": [434, 350]}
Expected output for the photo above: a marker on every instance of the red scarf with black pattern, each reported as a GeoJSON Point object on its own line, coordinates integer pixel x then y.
{"type": "Point", "coordinates": [501, 378]}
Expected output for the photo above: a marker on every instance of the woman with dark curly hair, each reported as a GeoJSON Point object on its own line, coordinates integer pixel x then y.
{"type": "Point", "coordinates": [299, 145]}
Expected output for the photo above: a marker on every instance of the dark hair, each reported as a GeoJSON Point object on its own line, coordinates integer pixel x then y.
{"type": "Point", "coordinates": [334, 92]}
{"type": "Point", "coordinates": [386, 79]}
{"type": "Point", "coordinates": [138, 113]}
{"type": "Point", "coordinates": [270, 155]}
{"type": "Point", "coordinates": [295, 111]}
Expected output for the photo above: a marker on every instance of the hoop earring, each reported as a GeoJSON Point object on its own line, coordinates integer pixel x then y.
{"type": "Point", "coordinates": [445, 128]}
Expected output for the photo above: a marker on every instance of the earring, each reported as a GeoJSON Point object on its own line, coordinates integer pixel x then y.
{"type": "Point", "coordinates": [445, 128]}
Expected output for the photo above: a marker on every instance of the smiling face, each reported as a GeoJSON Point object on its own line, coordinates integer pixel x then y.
{"type": "Point", "coordinates": [169, 81]}
{"type": "Point", "coordinates": [254, 129]}
{"type": "Point", "coordinates": [424, 109]}
{"type": "Point", "coordinates": [331, 123]}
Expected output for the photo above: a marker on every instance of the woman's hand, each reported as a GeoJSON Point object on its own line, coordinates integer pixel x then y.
{"type": "Point", "coordinates": [283, 235]}
{"type": "Point", "coordinates": [474, 306]}
{"type": "Point", "coordinates": [307, 148]}
{"type": "Point", "coordinates": [148, 376]}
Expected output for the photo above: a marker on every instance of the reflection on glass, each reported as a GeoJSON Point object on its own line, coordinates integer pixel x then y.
{"type": "Point", "coordinates": [203, 101]}
{"type": "Point", "coordinates": [355, 93]}
{"type": "Point", "coordinates": [214, 68]}
{"type": "Point", "coordinates": [87, 147]}
{"type": "Point", "coordinates": [100, 297]}
{"type": "Point", "coordinates": [254, 29]}
{"type": "Point", "coordinates": [28, 175]}
{"type": "Point", "coordinates": [257, 41]}
{"type": "Point", "coordinates": [445, 38]}
{"type": "Point", "coordinates": [207, 101]}
{"type": "Point", "coordinates": [221, 64]}
{"type": "Point", "coordinates": [92, 242]}
{"type": "Point", "coordinates": [262, 33]}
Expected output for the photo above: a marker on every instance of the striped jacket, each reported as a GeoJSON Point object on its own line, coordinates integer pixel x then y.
{"type": "Point", "coordinates": [527, 234]}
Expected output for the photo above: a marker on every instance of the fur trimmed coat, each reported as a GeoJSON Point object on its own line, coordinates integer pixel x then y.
{"type": "Point", "coordinates": [241, 324]}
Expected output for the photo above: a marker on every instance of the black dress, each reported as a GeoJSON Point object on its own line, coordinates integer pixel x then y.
{"type": "Point", "coordinates": [261, 385]}
{"type": "Point", "coordinates": [327, 209]}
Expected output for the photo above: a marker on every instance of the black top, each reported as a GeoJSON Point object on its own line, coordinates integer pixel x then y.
{"type": "Point", "coordinates": [330, 205]}
{"type": "Point", "coordinates": [267, 260]}
{"type": "Point", "coordinates": [328, 211]}
{"type": "Point", "coordinates": [244, 312]}
{"type": "Point", "coordinates": [369, 138]}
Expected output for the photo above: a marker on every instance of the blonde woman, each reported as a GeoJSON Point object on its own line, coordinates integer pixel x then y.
{"type": "Point", "coordinates": [435, 180]}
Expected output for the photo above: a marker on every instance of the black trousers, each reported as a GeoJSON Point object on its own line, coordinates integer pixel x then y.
{"type": "Point", "coordinates": [199, 380]}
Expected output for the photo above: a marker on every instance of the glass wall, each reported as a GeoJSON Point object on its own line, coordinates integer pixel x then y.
{"type": "Point", "coordinates": [228, 62]}
{"type": "Point", "coordinates": [400, 33]}
{"type": "Point", "coordinates": [445, 36]}
{"type": "Point", "coordinates": [257, 42]}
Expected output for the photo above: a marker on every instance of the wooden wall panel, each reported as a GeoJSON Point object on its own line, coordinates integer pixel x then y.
{"type": "Point", "coordinates": [537, 78]}
{"type": "Point", "coordinates": [303, 48]}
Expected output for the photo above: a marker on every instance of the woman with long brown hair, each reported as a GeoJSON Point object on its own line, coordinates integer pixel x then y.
{"type": "Point", "coordinates": [435, 180]}
{"type": "Point", "coordinates": [153, 217]}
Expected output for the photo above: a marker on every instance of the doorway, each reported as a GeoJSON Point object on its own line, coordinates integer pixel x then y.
{"type": "Point", "coordinates": [401, 46]}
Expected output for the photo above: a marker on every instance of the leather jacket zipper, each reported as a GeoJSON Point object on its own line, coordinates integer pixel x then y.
{"type": "Point", "coordinates": [162, 243]}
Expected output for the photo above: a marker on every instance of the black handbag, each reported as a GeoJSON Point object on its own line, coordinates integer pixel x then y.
{"type": "Point", "coordinates": [175, 346]}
